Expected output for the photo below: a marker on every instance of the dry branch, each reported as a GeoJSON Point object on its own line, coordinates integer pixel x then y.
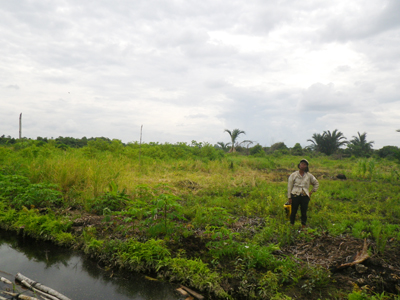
{"type": "Point", "coordinates": [358, 258]}
{"type": "Point", "coordinates": [198, 296]}
{"type": "Point", "coordinates": [39, 291]}
{"type": "Point", "coordinates": [19, 296]}
{"type": "Point", "coordinates": [182, 291]}
{"type": "Point", "coordinates": [40, 287]}
{"type": "Point", "coordinates": [5, 280]}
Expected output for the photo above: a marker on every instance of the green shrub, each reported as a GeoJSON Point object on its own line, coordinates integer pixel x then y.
{"type": "Point", "coordinates": [211, 216]}
{"type": "Point", "coordinates": [20, 192]}
{"type": "Point", "coordinates": [13, 185]}
{"type": "Point", "coordinates": [194, 273]}
{"type": "Point", "coordinates": [112, 201]}
{"type": "Point", "coordinates": [38, 195]}
{"type": "Point", "coordinates": [142, 256]}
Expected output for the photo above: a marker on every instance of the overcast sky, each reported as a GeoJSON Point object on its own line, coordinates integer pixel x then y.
{"type": "Point", "coordinates": [188, 69]}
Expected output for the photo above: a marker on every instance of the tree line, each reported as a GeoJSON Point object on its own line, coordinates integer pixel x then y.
{"type": "Point", "coordinates": [328, 143]}
{"type": "Point", "coordinates": [60, 141]}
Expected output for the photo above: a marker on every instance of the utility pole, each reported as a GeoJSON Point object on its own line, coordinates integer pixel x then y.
{"type": "Point", "coordinates": [20, 125]}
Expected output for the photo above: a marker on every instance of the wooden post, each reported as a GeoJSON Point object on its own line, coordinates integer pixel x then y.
{"type": "Point", "coordinates": [20, 125]}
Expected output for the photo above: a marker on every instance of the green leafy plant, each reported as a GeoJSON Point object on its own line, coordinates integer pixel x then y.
{"type": "Point", "coordinates": [360, 229]}
{"type": "Point", "coordinates": [113, 200]}
{"type": "Point", "coordinates": [38, 195]}
{"type": "Point", "coordinates": [137, 256]}
{"type": "Point", "coordinates": [163, 213]}
{"type": "Point", "coordinates": [13, 185]}
{"type": "Point", "coordinates": [212, 216]}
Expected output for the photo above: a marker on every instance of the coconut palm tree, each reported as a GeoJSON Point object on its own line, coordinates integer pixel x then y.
{"type": "Point", "coordinates": [359, 145]}
{"type": "Point", "coordinates": [234, 135]}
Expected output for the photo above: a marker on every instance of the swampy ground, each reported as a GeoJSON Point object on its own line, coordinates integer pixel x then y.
{"type": "Point", "coordinates": [378, 274]}
{"type": "Point", "coordinates": [212, 221]}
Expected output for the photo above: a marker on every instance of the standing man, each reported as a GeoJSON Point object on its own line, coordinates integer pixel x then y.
{"type": "Point", "coordinates": [299, 193]}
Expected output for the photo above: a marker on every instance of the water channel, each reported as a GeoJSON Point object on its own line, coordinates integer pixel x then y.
{"type": "Point", "coordinates": [72, 274]}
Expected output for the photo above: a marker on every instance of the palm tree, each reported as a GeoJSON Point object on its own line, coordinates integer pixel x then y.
{"type": "Point", "coordinates": [333, 141]}
{"type": "Point", "coordinates": [359, 145]}
{"type": "Point", "coordinates": [317, 142]}
{"type": "Point", "coordinates": [327, 142]}
{"type": "Point", "coordinates": [222, 145]}
{"type": "Point", "coordinates": [234, 135]}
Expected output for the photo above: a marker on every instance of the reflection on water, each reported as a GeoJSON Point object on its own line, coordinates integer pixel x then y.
{"type": "Point", "coordinates": [73, 275]}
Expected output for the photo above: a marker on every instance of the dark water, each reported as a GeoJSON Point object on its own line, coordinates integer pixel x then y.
{"type": "Point", "coordinates": [72, 274]}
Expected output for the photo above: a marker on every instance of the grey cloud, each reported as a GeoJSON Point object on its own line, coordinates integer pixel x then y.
{"type": "Point", "coordinates": [389, 19]}
{"type": "Point", "coordinates": [343, 68]}
{"type": "Point", "coordinates": [359, 23]}
{"type": "Point", "coordinates": [215, 84]}
{"type": "Point", "coordinates": [177, 36]}
{"type": "Point", "coordinates": [13, 87]}
{"type": "Point", "coordinates": [366, 87]}
{"type": "Point", "coordinates": [321, 97]}
{"type": "Point", "coordinates": [57, 79]}
{"type": "Point", "coordinates": [264, 115]}
{"type": "Point", "coordinates": [212, 51]}
{"type": "Point", "coordinates": [382, 51]}
{"type": "Point", "coordinates": [197, 116]}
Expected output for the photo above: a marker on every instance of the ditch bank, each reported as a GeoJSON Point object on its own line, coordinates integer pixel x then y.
{"type": "Point", "coordinates": [72, 273]}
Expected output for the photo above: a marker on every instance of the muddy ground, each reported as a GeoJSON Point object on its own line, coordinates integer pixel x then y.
{"type": "Point", "coordinates": [378, 273]}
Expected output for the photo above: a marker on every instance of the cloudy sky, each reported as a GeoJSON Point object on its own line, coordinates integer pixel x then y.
{"type": "Point", "coordinates": [186, 70]}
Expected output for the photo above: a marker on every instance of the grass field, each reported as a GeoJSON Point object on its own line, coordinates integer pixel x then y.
{"type": "Point", "coordinates": [209, 220]}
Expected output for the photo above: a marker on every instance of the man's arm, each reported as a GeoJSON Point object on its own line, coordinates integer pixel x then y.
{"type": "Point", "coordinates": [315, 185]}
{"type": "Point", "coordinates": [290, 186]}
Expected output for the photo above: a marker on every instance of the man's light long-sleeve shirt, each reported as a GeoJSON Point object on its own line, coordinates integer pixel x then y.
{"type": "Point", "coordinates": [298, 183]}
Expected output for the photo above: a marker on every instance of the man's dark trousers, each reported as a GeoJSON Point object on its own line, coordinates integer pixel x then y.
{"type": "Point", "coordinates": [301, 201]}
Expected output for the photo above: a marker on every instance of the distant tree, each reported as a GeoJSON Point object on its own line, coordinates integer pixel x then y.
{"type": "Point", "coordinates": [257, 150]}
{"type": "Point", "coordinates": [246, 143]}
{"type": "Point", "coordinates": [328, 142]}
{"type": "Point", "coordinates": [389, 152]}
{"type": "Point", "coordinates": [280, 146]}
{"type": "Point", "coordinates": [101, 143]}
{"type": "Point", "coordinates": [297, 149]}
{"type": "Point", "coordinates": [334, 141]}
{"type": "Point", "coordinates": [73, 142]}
{"type": "Point", "coordinates": [234, 134]}
{"type": "Point", "coordinates": [359, 145]}
{"type": "Point", "coordinates": [317, 141]}
{"type": "Point", "coordinates": [222, 145]}
{"type": "Point", "coordinates": [7, 140]}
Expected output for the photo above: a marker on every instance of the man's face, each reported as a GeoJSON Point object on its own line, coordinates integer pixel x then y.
{"type": "Point", "coordinates": [303, 166]}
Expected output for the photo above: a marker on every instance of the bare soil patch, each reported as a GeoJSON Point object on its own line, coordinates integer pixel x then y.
{"type": "Point", "coordinates": [379, 273]}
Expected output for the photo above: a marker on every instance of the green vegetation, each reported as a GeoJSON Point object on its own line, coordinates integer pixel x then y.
{"type": "Point", "coordinates": [197, 215]}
